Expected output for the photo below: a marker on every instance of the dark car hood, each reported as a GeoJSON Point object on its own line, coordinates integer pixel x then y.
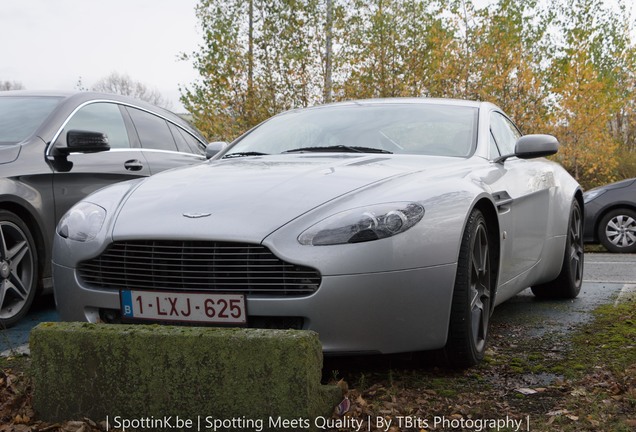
{"type": "Point", "coordinates": [246, 199]}
{"type": "Point", "coordinates": [618, 185]}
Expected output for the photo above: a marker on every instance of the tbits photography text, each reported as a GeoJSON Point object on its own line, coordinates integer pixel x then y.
{"type": "Point", "coordinates": [346, 423]}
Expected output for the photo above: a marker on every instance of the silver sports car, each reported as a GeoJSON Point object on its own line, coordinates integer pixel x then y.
{"type": "Point", "coordinates": [385, 225]}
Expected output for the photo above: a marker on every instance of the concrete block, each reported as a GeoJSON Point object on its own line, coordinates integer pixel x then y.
{"type": "Point", "coordinates": [136, 372]}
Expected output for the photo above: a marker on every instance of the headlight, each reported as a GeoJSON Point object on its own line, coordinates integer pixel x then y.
{"type": "Point", "coordinates": [363, 224]}
{"type": "Point", "coordinates": [593, 194]}
{"type": "Point", "coordinates": [82, 222]}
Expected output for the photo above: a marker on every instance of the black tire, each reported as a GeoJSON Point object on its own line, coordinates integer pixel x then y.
{"type": "Point", "coordinates": [617, 231]}
{"type": "Point", "coordinates": [568, 284]}
{"type": "Point", "coordinates": [18, 269]}
{"type": "Point", "coordinates": [472, 296]}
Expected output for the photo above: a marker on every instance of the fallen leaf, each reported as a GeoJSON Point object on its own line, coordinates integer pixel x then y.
{"type": "Point", "coordinates": [21, 419]}
{"type": "Point", "coordinates": [578, 392]}
{"type": "Point", "coordinates": [557, 413]}
{"type": "Point", "coordinates": [343, 407]}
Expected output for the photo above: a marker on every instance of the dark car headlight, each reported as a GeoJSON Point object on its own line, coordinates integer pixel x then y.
{"type": "Point", "coordinates": [363, 224]}
{"type": "Point", "coordinates": [82, 222]}
{"type": "Point", "coordinates": [592, 195]}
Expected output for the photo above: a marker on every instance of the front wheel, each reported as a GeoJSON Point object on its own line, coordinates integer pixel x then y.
{"type": "Point", "coordinates": [617, 231]}
{"type": "Point", "coordinates": [18, 269]}
{"type": "Point", "coordinates": [568, 284]}
{"type": "Point", "coordinates": [472, 296]}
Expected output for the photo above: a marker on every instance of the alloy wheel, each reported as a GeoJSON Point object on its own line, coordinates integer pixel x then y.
{"type": "Point", "coordinates": [480, 287]}
{"type": "Point", "coordinates": [17, 269]}
{"type": "Point", "coordinates": [576, 244]}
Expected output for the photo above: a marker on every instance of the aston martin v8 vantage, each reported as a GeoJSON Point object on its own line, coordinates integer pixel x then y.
{"type": "Point", "coordinates": [386, 226]}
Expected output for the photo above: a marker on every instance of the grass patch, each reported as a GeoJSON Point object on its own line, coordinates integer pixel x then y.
{"type": "Point", "coordinates": [608, 342]}
{"type": "Point", "coordinates": [599, 392]}
{"type": "Point", "coordinates": [595, 248]}
{"type": "Point", "coordinates": [17, 363]}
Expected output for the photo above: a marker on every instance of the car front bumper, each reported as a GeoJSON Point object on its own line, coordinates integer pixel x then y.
{"type": "Point", "coordinates": [383, 312]}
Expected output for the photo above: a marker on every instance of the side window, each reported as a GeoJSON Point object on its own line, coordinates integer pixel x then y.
{"type": "Point", "coordinates": [182, 144]}
{"type": "Point", "coordinates": [153, 131]}
{"type": "Point", "coordinates": [505, 133]}
{"type": "Point", "coordinates": [101, 117]}
{"type": "Point", "coordinates": [197, 146]}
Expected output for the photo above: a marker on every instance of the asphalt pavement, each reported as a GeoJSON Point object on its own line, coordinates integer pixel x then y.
{"type": "Point", "coordinates": [610, 268]}
{"type": "Point", "coordinates": [607, 278]}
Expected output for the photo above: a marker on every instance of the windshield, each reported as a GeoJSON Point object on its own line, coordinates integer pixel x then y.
{"type": "Point", "coordinates": [20, 116]}
{"type": "Point", "coordinates": [423, 129]}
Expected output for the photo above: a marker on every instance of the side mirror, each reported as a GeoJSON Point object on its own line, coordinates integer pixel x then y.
{"type": "Point", "coordinates": [534, 146]}
{"type": "Point", "coordinates": [83, 142]}
{"type": "Point", "coordinates": [214, 148]}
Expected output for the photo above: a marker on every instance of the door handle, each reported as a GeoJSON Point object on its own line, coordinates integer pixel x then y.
{"type": "Point", "coordinates": [133, 165]}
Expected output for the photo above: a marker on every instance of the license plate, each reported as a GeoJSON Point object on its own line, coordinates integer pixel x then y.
{"type": "Point", "coordinates": [184, 307]}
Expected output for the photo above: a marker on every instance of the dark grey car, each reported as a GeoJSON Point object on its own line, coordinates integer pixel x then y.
{"type": "Point", "coordinates": [52, 154]}
{"type": "Point", "coordinates": [610, 216]}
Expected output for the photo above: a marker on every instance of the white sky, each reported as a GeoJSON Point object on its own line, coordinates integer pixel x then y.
{"type": "Point", "coordinates": [50, 44]}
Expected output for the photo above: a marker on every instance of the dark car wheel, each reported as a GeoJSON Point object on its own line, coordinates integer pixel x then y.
{"type": "Point", "coordinates": [471, 308]}
{"type": "Point", "coordinates": [18, 269]}
{"type": "Point", "coordinates": [568, 284]}
{"type": "Point", "coordinates": [617, 231]}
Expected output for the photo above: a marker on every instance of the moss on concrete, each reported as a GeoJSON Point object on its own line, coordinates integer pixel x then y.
{"type": "Point", "coordinates": [135, 371]}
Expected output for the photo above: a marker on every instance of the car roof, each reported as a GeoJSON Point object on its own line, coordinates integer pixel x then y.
{"type": "Point", "coordinates": [413, 100]}
{"type": "Point", "coordinates": [405, 100]}
{"type": "Point", "coordinates": [80, 96]}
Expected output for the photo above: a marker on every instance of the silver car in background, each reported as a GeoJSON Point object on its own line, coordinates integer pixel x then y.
{"type": "Point", "coordinates": [384, 225]}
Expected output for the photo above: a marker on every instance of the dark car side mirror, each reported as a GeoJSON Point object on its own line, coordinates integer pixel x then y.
{"type": "Point", "coordinates": [534, 146]}
{"type": "Point", "coordinates": [78, 141]}
{"type": "Point", "coordinates": [214, 148]}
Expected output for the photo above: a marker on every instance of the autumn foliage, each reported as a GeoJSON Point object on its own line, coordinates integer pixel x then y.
{"type": "Point", "coordinates": [566, 67]}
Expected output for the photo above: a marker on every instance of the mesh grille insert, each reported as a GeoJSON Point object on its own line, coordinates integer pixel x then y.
{"type": "Point", "coordinates": [197, 266]}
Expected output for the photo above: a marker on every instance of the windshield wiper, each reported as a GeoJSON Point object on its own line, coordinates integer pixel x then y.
{"type": "Point", "coordinates": [339, 148]}
{"type": "Point", "coordinates": [243, 154]}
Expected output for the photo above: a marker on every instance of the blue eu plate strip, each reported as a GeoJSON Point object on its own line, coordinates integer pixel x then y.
{"type": "Point", "coordinates": [126, 304]}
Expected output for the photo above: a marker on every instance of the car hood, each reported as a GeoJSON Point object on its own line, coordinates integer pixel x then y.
{"type": "Point", "coordinates": [246, 199]}
{"type": "Point", "coordinates": [618, 185]}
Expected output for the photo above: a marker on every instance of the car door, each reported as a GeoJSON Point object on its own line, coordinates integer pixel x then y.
{"type": "Point", "coordinates": [79, 174]}
{"type": "Point", "coordinates": [523, 192]}
{"type": "Point", "coordinates": [164, 144]}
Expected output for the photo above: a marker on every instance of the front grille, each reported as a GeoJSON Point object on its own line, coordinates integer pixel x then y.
{"type": "Point", "coordinates": [197, 266]}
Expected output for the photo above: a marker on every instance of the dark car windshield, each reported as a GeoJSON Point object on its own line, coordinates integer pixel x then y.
{"type": "Point", "coordinates": [408, 128]}
{"type": "Point", "coordinates": [20, 116]}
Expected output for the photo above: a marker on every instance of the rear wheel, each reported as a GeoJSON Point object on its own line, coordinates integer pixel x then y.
{"type": "Point", "coordinates": [472, 296]}
{"type": "Point", "coordinates": [617, 231]}
{"type": "Point", "coordinates": [568, 284]}
{"type": "Point", "coordinates": [18, 269]}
